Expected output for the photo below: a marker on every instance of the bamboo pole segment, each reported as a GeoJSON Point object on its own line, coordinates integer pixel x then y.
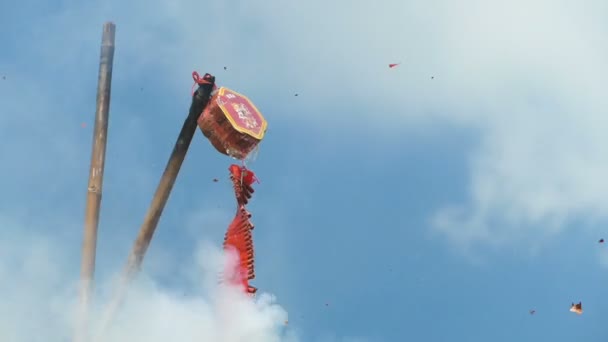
{"type": "Point", "coordinates": [100, 132]}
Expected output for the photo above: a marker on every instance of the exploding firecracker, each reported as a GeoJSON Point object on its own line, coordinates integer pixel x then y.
{"type": "Point", "coordinates": [239, 236]}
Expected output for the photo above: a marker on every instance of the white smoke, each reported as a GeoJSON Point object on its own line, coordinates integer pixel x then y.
{"type": "Point", "coordinates": [38, 287]}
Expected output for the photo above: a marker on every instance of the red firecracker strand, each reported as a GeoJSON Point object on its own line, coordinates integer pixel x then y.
{"type": "Point", "coordinates": [239, 234]}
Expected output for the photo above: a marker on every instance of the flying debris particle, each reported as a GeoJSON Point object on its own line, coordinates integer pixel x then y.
{"type": "Point", "coordinates": [392, 65]}
{"type": "Point", "coordinates": [215, 180]}
{"type": "Point", "coordinates": [601, 241]}
{"type": "Point", "coordinates": [225, 68]}
{"type": "Point", "coordinates": [84, 125]}
{"type": "Point", "coordinates": [296, 94]}
{"type": "Point", "coordinates": [577, 308]}
{"type": "Point", "coordinates": [432, 77]}
{"type": "Point", "coordinates": [3, 77]}
{"type": "Point", "coordinates": [532, 312]}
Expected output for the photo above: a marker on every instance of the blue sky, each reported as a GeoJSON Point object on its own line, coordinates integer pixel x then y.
{"type": "Point", "coordinates": [392, 206]}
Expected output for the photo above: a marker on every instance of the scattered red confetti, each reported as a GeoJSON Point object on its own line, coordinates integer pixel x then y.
{"type": "Point", "coordinates": [392, 65]}
{"type": "Point", "coordinates": [84, 125]}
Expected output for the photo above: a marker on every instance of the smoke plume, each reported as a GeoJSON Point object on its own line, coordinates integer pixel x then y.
{"type": "Point", "coordinates": [38, 283]}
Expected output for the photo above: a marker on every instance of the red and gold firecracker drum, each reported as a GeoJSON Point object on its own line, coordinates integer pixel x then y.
{"type": "Point", "coordinates": [233, 124]}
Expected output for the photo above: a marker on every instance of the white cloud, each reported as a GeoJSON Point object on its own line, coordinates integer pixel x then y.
{"type": "Point", "coordinates": [540, 162]}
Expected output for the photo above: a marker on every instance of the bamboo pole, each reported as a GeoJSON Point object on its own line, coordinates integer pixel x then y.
{"type": "Point", "coordinates": [100, 132]}
{"type": "Point", "coordinates": [148, 227]}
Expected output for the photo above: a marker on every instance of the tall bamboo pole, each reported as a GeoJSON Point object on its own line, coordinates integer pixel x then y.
{"type": "Point", "coordinates": [100, 132]}
{"type": "Point", "coordinates": [199, 101]}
